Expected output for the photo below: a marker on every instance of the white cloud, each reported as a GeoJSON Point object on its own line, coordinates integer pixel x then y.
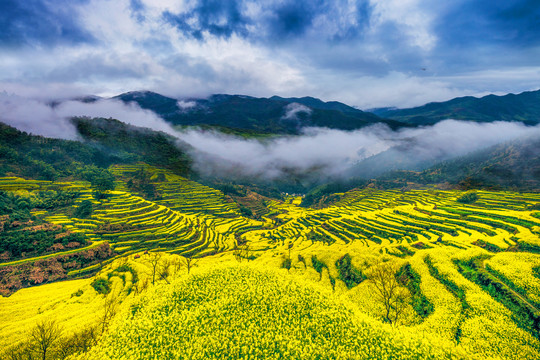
{"type": "Point", "coordinates": [186, 105]}
{"type": "Point", "coordinates": [39, 118]}
{"type": "Point", "coordinates": [293, 109]}
{"type": "Point", "coordinates": [129, 113]}
{"type": "Point", "coordinates": [410, 17]}
{"type": "Point", "coordinates": [34, 117]}
{"type": "Point", "coordinates": [328, 152]}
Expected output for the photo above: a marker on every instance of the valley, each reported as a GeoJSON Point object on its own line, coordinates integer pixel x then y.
{"type": "Point", "coordinates": [467, 267]}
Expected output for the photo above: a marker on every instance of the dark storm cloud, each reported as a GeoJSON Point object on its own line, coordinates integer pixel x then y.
{"type": "Point", "coordinates": [218, 17]}
{"type": "Point", "coordinates": [32, 22]}
{"type": "Point", "coordinates": [276, 21]}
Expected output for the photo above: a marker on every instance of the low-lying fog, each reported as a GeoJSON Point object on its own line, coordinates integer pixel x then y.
{"type": "Point", "coordinates": [331, 152]}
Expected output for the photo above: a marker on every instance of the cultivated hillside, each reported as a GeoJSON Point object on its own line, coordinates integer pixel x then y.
{"type": "Point", "coordinates": [108, 256]}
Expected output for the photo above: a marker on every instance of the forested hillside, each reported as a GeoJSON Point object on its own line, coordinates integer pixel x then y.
{"type": "Point", "coordinates": [524, 107]}
{"type": "Point", "coordinates": [274, 115]}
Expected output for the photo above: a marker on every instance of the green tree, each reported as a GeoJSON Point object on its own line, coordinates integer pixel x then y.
{"type": "Point", "coordinates": [100, 179]}
{"type": "Point", "coordinates": [84, 210]}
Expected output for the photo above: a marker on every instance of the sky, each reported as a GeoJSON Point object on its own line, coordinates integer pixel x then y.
{"type": "Point", "coordinates": [366, 53]}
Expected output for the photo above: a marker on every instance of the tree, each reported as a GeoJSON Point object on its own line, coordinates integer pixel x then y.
{"type": "Point", "coordinates": [110, 307]}
{"type": "Point", "coordinates": [100, 179]}
{"type": "Point", "coordinates": [388, 291]}
{"type": "Point", "coordinates": [80, 342]}
{"type": "Point", "coordinates": [22, 351]}
{"type": "Point", "coordinates": [190, 262]}
{"type": "Point", "coordinates": [468, 198]}
{"type": "Point", "coordinates": [44, 337]}
{"type": "Point", "coordinates": [155, 257]}
{"type": "Point", "coordinates": [164, 270]}
{"type": "Point", "coordinates": [242, 252]}
{"type": "Point", "coordinates": [84, 210]}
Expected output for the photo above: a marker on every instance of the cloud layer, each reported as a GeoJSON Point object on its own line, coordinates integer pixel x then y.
{"type": "Point", "coordinates": [40, 118]}
{"type": "Point", "coordinates": [319, 153]}
{"type": "Point", "coordinates": [366, 53]}
{"type": "Point", "coordinates": [328, 153]}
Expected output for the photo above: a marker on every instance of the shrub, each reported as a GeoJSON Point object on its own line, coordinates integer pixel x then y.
{"type": "Point", "coordinates": [84, 210]}
{"type": "Point", "coordinates": [286, 264]}
{"type": "Point", "coordinates": [348, 273]}
{"type": "Point", "coordinates": [102, 286]}
{"type": "Point", "coordinates": [468, 198]}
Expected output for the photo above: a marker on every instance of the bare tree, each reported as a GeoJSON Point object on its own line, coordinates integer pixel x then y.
{"type": "Point", "coordinates": [110, 308]}
{"type": "Point", "coordinates": [155, 257]}
{"type": "Point", "coordinates": [190, 262]}
{"type": "Point", "coordinates": [164, 270]}
{"type": "Point", "coordinates": [79, 342]}
{"type": "Point", "coordinates": [141, 285]}
{"type": "Point", "coordinates": [237, 252]}
{"type": "Point", "coordinates": [176, 263]}
{"type": "Point", "coordinates": [388, 291]}
{"type": "Point", "coordinates": [86, 338]}
{"type": "Point", "coordinates": [242, 252]}
{"type": "Point", "coordinates": [44, 337]}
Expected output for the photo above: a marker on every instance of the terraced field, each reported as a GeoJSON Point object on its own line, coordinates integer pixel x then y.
{"type": "Point", "coordinates": [470, 271]}
{"type": "Point", "coordinates": [187, 219]}
{"type": "Point", "coordinates": [398, 222]}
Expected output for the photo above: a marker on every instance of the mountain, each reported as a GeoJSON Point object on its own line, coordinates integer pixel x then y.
{"type": "Point", "coordinates": [315, 103]}
{"type": "Point", "coordinates": [524, 107]}
{"type": "Point", "coordinates": [266, 115]}
{"type": "Point", "coordinates": [512, 165]}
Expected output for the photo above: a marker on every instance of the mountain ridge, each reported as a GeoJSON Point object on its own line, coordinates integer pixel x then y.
{"type": "Point", "coordinates": [266, 115]}
{"type": "Point", "coordinates": [523, 107]}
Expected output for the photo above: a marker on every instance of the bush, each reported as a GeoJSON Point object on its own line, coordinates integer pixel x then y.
{"type": "Point", "coordinates": [468, 198]}
{"type": "Point", "coordinates": [286, 264]}
{"type": "Point", "coordinates": [84, 210]}
{"type": "Point", "coordinates": [245, 211]}
{"type": "Point", "coordinates": [102, 286]}
{"type": "Point", "coordinates": [347, 273]}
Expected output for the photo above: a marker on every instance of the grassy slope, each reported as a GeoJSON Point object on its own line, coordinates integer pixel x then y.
{"type": "Point", "coordinates": [258, 314]}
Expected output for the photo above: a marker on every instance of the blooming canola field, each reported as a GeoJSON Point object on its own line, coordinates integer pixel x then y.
{"type": "Point", "coordinates": [191, 277]}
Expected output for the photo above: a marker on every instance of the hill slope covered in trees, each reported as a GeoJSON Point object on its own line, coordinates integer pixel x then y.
{"type": "Point", "coordinates": [523, 107]}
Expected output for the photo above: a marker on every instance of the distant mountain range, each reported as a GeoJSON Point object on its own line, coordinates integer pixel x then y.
{"type": "Point", "coordinates": [266, 115]}
{"type": "Point", "coordinates": [524, 107]}
{"type": "Point", "coordinates": [513, 165]}
{"type": "Point", "coordinates": [279, 115]}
